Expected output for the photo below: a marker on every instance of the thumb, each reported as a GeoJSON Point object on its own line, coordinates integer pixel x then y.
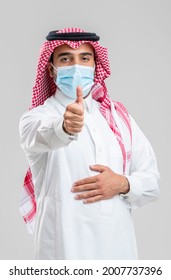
{"type": "Point", "coordinates": [98, 167]}
{"type": "Point", "coordinates": [79, 94]}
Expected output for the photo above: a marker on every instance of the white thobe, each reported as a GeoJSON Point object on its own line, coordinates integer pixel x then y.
{"type": "Point", "coordinates": [67, 228]}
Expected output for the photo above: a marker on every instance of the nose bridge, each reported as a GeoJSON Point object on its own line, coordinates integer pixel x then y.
{"type": "Point", "coordinates": [76, 58]}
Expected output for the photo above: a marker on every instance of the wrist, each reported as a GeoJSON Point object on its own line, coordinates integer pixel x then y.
{"type": "Point", "coordinates": [125, 185]}
{"type": "Point", "coordinates": [64, 129]}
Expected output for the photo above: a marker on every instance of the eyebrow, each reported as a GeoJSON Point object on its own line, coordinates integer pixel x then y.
{"type": "Point", "coordinates": [70, 53]}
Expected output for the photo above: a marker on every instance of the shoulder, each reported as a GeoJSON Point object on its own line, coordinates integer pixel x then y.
{"type": "Point", "coordinates": [48, 105]}
{"type": "Point", "coordinates": [123, 113]}
{"type": "Point", "coordinates": [120, 107]}
{"type": "Point", "coordinates": [40, 112]}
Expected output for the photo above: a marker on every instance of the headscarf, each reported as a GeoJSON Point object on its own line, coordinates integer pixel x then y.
{"type": "Point", "coordinates": [45, 87]}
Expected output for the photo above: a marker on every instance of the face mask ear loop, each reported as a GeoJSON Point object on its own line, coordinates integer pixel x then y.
{"type": "Point", "coordinates": [53, 66]}
{"type": "Point", "coordinates": [55, 69]}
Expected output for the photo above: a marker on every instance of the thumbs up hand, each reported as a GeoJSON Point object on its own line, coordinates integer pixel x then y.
{"type": "Point", "coordinates": [74, 114]}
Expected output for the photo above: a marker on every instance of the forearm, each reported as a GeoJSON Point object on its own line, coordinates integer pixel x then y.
{"type": "Point", "coordinates": [143, 175]}
{"type": "Point", "coordinates": [144, 188]}
{"type": "Point", "coordinates": [40, 136]}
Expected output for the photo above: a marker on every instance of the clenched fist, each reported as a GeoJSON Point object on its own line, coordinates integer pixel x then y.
{"type": "Point", "coordinates": [74, 114]}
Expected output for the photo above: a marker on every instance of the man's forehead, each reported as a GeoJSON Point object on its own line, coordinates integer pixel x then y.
{"type": "Point", "coordinates": [85, 47]}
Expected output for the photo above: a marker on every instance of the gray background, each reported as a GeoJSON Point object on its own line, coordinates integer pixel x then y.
{"type": "Point", "coordinates": [137, 35]}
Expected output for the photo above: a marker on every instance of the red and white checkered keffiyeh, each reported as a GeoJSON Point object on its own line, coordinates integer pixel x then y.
{"type": "Point", "coordinates": [45, 87]}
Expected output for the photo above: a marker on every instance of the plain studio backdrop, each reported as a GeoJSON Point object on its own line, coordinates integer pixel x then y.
{"type": "Point", "coordinates": [138, 37]}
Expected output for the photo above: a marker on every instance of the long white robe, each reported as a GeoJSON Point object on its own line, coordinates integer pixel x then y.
{"type": "Point", "coordinates": [65, 227]}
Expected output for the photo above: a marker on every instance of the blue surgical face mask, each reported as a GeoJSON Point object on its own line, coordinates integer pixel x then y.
{"type": "Point", "coordinates": [69, 77]}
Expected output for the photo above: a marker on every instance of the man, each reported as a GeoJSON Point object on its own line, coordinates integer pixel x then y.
{"type": "Point", "coordinates": [90, 164]}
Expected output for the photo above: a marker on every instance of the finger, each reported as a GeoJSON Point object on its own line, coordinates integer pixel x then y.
{"type": "Point", "coordinates": [98, 167]}
{"type": "Point", "coordinates": [73, 117]}
{"type": "Point", "coordinates": [93, 199]}
{"type": "Point", "coordinates": [84, 181]}
{"type": "Point", "coordinates": [79, 94]}
{"type": "Point", "coordinates": [85, 187]}
{"type": "Point", "coordinates": [87, 195]}
{"type": "Point", "coordinates": [74, 124]}
{"type": "Point", "coordinates": [74, 108]}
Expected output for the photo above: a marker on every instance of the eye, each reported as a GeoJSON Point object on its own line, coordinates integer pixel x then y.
{"type": "Point", "coordinates": [85, 58]}
{"type": "Point", "coordinates": [65, 59]}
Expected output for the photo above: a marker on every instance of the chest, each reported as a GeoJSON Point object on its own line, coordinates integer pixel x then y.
{"type": "Point", "coordinates": [96, 144]}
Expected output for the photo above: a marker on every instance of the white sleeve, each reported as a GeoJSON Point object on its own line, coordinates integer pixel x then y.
{"type": "Point", "coordinates": [41, 132]}
{"type": "Point", "coordinates": [143, 176]}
